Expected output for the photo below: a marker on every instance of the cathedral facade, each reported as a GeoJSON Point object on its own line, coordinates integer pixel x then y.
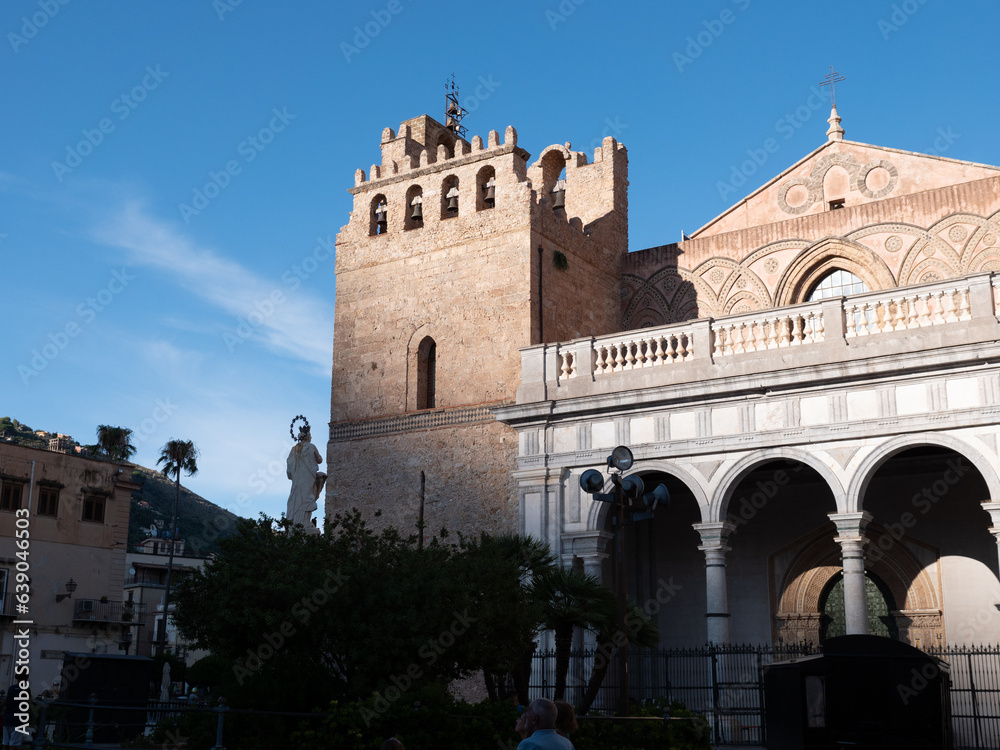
{"type": "Point", "coordinates": [814, 376]}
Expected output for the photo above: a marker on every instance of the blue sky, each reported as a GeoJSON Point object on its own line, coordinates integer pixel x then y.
{"type": "Point", "coordinates": [172, 174]}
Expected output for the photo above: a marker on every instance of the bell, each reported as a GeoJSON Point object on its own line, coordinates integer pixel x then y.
{"type": "Point", "coordinates": [558, 199]}
{"type": "Point", "coordinates": [491, 192]}
{"type": "Point", "coordinates": [418, 211]}
{"type": "Point", "coordinates": [453, 204]}
{"type": "Point", "coordinates": [559, 195]}
{"type": "Point", "coordinates": [380, 218]}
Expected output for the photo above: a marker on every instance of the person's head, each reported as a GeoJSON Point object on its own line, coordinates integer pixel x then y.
{"type": "Point", "coordinates": [541, 714]}
{"type": "Point", "coordinates": [565, 718]}
{"type": "Point", "coordinates": [521, 727]}
{"type": "Point", "coordinates": [392, 744]}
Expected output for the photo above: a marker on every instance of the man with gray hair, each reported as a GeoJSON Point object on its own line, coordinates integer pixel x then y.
{"type": "Point", "coordinates": [541, 722]}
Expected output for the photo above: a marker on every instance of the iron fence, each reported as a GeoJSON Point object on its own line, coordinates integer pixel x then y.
{"type": "Point", "coordinates": [726, 685]}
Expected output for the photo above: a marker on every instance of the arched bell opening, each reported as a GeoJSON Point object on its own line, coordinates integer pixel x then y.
{"type": "Point", "coordinates": [378, 216]}
{"type": "Point", "coordinates": [554, 179]}
{"type": "Point", "coordinates": [449, 197]}
{"type": "Point", "coordinates": [413, 208]}
{"type": "Point", "coordinates": [486, 192]}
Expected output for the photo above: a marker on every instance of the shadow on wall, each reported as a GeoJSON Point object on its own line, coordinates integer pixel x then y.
{"type": "Point", "coordinates": [653, 291]}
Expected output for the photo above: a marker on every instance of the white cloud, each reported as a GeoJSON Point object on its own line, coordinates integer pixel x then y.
{"type": "Point", "coordinates": [275, 311]}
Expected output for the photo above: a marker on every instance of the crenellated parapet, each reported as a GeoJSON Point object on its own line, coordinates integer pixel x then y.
{"type": "Point", "coordinates": [430, 180]}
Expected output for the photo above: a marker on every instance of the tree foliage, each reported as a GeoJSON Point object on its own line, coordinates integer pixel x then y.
{"type": "Point", "coordinates": [369, 617]}
{"type": "Point", "coordinates": [178, 456]}
{"type": "Point", "coordinates": [571, 599]}
{"type": "Point", "coordinates": [354, 610]}
{"type": "Point", "coordinates": [115, 442]}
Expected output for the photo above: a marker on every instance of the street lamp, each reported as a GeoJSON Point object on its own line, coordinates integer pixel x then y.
{"type": "Point", "coordinates": [70, 588]}
{"type": "Point", "coordinates": [626, 489]}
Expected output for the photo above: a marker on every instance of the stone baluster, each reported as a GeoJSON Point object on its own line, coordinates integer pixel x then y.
{"type": "Point", "coordinates": [965, 304]}
{"type": "Point", "coordinates": [619, 364]}
{"type": "Point", "coordinates": [897, 317]}
{"type": "Point", "coordinates": [659, 356]}
{"type": "Point", "coordinates": [796, 330]}
{"type": "Point", "coordinates": [911, 311]}
{"type": "Point", "coordinates": [713, 543]}
{"type": "Point", "coordinates": [819, 329]}
{"type": "Point", "coordinates": [631, 348]}
{"type": "Point", "coordinates": [566, 367]}
{"type": "Point", "coordinates": [718, 340]}
{"type": "Point", "coordinates": [851, 538]}
{"type": "Point", "coordinates": [809, 326]}
{"type": "Point", "coordinates": [938, 307]}
{"type": "Point", "coordinates": [852, 320]}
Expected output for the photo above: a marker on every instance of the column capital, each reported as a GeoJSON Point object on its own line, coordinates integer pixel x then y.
{"type": "Point", "coordinates": [993, 508]}
{"type": "Point", "coordinates": [587, 545]}
{"type": "Point", "coordinates": [850, 526]}
{"type": "Point", "coordinates": [714, 535]}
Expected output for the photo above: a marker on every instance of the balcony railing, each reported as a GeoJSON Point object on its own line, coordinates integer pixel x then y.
{"type": "Point", "coordinates": [96, 611]}
{"type": "Point", "coordinates": [154, 583]}
{"type": "Point", "coordinates": [7, 605]}
{"type": "Point", "coordinates": [961, 310]}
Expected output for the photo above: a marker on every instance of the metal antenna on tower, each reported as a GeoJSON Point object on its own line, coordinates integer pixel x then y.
{"type": "Point", "coordinates": [453, 111]}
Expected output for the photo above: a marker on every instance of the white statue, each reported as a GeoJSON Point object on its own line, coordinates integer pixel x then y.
{"type": "Point", "coordinates": [307, 481]}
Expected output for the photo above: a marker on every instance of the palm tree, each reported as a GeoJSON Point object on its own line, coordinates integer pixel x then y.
{"type": "Point", "coordinates": [642, 632]}
{"type": "Point", "coordinates": [499, 573]}
{"type": "Point", "coordinates": [176, 456]}
{"type": "Point", "coordinates": [115, 442]}
{"type": "Point", "coordinates": [571, 599]}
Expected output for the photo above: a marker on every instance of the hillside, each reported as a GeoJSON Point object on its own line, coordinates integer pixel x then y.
{"type": "Point", "coordinates": [200, 522]}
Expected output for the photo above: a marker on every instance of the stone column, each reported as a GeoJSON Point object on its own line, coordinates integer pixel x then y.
{"type": "Point", "coordinates": [851, 538]}
{"type": "Point", "coordinates": [993, 508]}
{"type": "Point", "coordinates": [590, 547]}
{"type": "Point", "coordinates": [713, 543]}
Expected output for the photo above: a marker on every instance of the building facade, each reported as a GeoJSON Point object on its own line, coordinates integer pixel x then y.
{"type": "Point", "coordinates": [814, 375]}
{"type": "Point", "coordinates": [146, 582]}
{"type": "Point", "coordinates": [454, 259]}
{"type": "Point", "coordinates": [75, 511]}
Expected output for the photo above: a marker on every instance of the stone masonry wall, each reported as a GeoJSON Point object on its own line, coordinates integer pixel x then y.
{"type": "Point", "coordinates": [469, 485]}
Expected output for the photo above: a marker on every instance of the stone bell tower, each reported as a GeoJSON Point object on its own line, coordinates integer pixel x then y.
{"type": "Point", "coordinates": [456, 255]}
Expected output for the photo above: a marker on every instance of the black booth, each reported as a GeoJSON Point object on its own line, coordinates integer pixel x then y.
{"type": "Point", "coordinates": [121, 686]}
{"type": "Point", "coordinates": [863, 692]}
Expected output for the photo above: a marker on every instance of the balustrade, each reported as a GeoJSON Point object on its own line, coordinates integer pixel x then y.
{"type": "Point", "coordinates": [867, 314]}
{"type": "Point", "coordinates": [642, 349]}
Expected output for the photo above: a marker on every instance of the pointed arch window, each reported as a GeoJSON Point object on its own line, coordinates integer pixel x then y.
{"type": "Point", "coordinates": [427, 374]}
{"type": "Point", "coordinates": [837, 283]}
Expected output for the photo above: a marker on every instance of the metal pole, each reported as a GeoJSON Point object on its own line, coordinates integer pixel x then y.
{"type": "Point", "coordinates": [40, 734]}
{"type": "Point", "coordinates": [623, 708]}
{"type": "Point", "coordinates": [218, 727]}
{"type": "Point", "coordinates": [89, 739]}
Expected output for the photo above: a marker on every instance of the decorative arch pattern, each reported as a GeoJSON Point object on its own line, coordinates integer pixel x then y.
{"type": "Point", "coordinates": [958, 244]}
{"type": "Point", "coordinates": [825, 256]}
